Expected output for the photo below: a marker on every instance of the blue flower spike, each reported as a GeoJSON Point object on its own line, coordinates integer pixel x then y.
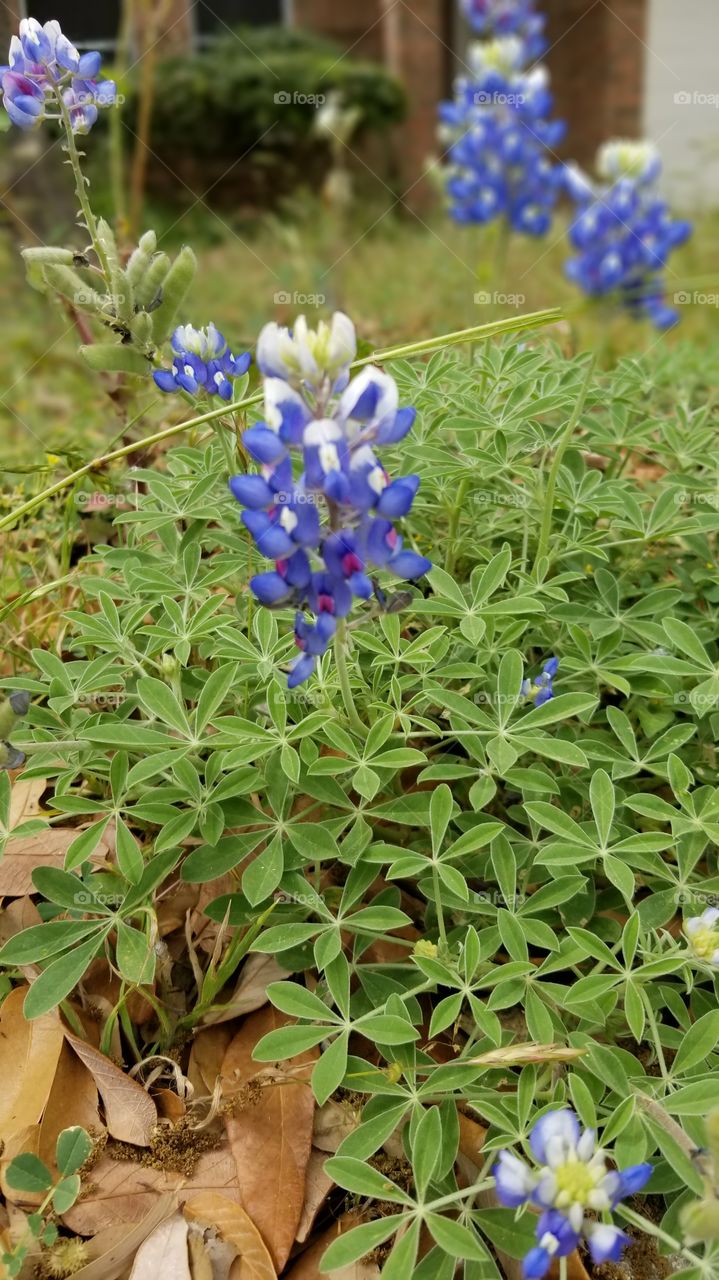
{"type": "Point", "coordinates": [328, 525]}
{"type": "Point", "coordinates": [44, 70]}
{"type": "Point", "coordinates": [202, 362]}
{"type": "Point", "coordinates": [542, 689]}
{"type": "Point", "coordinates": [572, 1185]}
{"type": "Point", "coordinates": [623, 233]}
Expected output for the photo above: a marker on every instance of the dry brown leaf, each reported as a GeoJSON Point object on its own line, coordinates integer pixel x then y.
{"type": "Point", "coordinates": [29, 1053]}
{"type": "Point", "coordinates": [236, 1228]}
{"type": "Point", "coordinates": [25, 800]}
{"type": "Point", "coordinates": [122, 1191]}
{"type": "Point", "coordinates": [333, 1122]}
{"type": "Point", "coordinates": [169, 1105]}
{"type": "Point", "coordinates": [250, 994]}
{"type": "Point", "coordinates": [271, 1139]}
{"type": "Point", "coordinates": [318, 1185]}
{"type": "Point", "coordinates": [72, 1100]}
{"type": "Point", "coordinates": [164, 1252]}
{"type": "Point", "coordinates": [112, 1249]}
{"type": "Point", "coordinates": [307, 1266]}
{"type": "Point", "coordinates": [45, 849]}
{"type": "Point", "coordinates": [206, 1057]}
{"type": "Point", "coordinates": [130, 1113]}
{"type": "Point", "coordinates": [19, 914]}
{"type": "Point", "coordinates": [210, 1257]}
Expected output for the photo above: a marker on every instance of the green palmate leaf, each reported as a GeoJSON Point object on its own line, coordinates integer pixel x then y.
{"type": "Point", "coordinates": [329, 1070]}
{"type": "Point", "coordinates": [59, 978]}
{"type": "Point", "coordinates": [129, 854]}
{"type": "Point", "coordinates": [363, 1180]}
{"type": "Point", "coordinates": [161, 702]}
{"type": "Point", "coordinates": [44, 940]}
{"type": "Point", "coordinates": [291, 998]}
{"type": "Point", "coordinates": [440, 812]}
{"type": "Point", "coordinates": [287, 1041]}
{"type": "Point", "coordinates": [359, 1241]}
{"type": "Point", "coordinates": [72, 1149]}
{"type": "Point", "coordinates": [135, 956]}
{"type": "Point", "coordinates": [601, 795]}
{"type": "Point", "coordinates": [456, 1240]}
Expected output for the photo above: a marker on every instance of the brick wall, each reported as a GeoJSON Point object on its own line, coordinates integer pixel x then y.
{"type": "Point", "coordinates": [596, 59]}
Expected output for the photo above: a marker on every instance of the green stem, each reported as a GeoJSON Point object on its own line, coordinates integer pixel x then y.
{"type": "Point", "coordinates": [81, 186]}
{"type": "Point", "coordinates": [548, 511]}
{"type": "Point", "coordinates": [344, 679]}
{"type": "Point", "coordinates": [454, 525]}
{"type": "Point", "coordinates": [535, 320]}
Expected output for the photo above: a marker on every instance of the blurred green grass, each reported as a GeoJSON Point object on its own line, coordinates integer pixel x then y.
{"type": "Point", "coordinates": [399, 276]}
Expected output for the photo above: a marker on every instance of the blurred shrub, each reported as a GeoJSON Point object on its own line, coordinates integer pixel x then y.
{"type": "Point", "coordinates": [256, 91]}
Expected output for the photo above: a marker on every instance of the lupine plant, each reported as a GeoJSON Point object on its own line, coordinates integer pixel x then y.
{"type": "Point", "coordinates": [499, 139]}
{"type": "Point", "coordinates": [491, 18]}
{"type": "Point", "coordinates": [623, 232]}
{"type": "Point", "coordinates": [477, 852]}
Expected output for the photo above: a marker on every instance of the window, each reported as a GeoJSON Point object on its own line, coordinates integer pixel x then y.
{"type": "Point", "coordinates": [86, 22]}
{"type": "Point", "coordinates": [214, 16]}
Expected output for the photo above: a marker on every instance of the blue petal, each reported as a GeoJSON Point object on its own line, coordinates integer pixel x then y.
{"type": "Point", "coordinates": [165, 380]}
{"type": "Point", "coordinates": [632, 1180]}
{"type": "Point", "coordinates": [270, 588]}
{"type": "Point", "coordinates": [409, 565]}
{"type": "Point", "coordinates": [553, 1124]}
{"type": "Point", "coordinates": [263, 444]}
{"type": "Point", "coordinates": [252, 491]}
{"type": "Point", "coordinates": [536, 1264]}
{"type": "Point", "coordinates": [301, 671]}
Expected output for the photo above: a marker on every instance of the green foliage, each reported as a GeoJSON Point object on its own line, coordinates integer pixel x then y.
{"type": "Point", "coordinates": [541, 854]}
{"type": "Point", "coordinates": [262, 84]}
{"type": "Point", "coordinates": [30, 1176]}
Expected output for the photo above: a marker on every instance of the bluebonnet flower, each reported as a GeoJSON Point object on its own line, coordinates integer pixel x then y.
{"type": "Point", "coordinates": [45, 66]}
{"type": "Point", "coordinates": [499, 133]}
{"type": "Point", "coordinates": [703, 935]}
{"type": "Point", "coordinates": [507, 17]}
{"type": "Point", "coordinates": [569, 1178]}
{"type": "Point", "coordinates": [623, 231]}
{"type": "Point", "coordinates": [202, 360]}
{"type": "Point", "coordinates": [542, 689]}
{"type": "Point", "coordinates": [325, 528]}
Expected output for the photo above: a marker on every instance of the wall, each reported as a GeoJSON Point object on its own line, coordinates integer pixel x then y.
{"type": "Point", "coordinates": [682, 72]}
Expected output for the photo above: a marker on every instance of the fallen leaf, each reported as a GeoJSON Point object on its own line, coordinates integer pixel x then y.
{"type": "Point", "coordinates": [333, 1122]}
{"type": "Point", "coordinates": [25, 800]}
{"type": "Point", "coordinates": [29, 1053]}
{"type": "Point", "coordinates": [271, 1139]}
{"type": "Point", "coordinates": [164, 1252]}
{"type": "Point", "coordinates": [169, 1105]}
{"type": "Point", "coordinates": [250, 994]}
{"type": "Point", "coordinates": [236, 1228]}
{"type": "Point", "coordinates": [211, 1257]}
{"type": "Point", "coordinates": [45, 849]}
{"type": "Point", "coordinates": [112, 1249]}
{"type": "Point", "coordinates": [19, 914]}
{"type": "Point", "coordinates": [130, 1113]}
{"type": "Point", "coordinates": [72, 1100]}
{"type": "Point", "coordinates": [318, 1185]}
{"type": "Point", "coordinates": [123, 1191]}
{"type": "Point", "coordinates": [307, 1266]}
{"type": "Point", "coordinates": [206, 1057]}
